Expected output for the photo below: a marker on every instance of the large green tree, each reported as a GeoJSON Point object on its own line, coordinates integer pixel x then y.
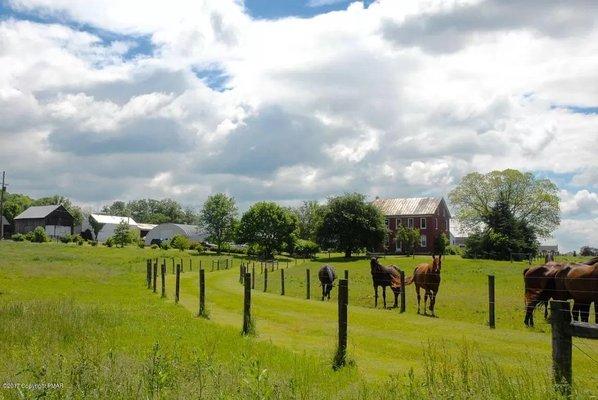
{"type": "Point", "coordinates": [309, 215]}
{"type": "Point", "coordinates": [152, 211]}
{"type": "Point", "coordinates": [531, 201]}
{"type": "Point", "coordinates": [269, 226]}
{"type": "Point", "coordinates": [14, 204]}
{"type": "Point", "coordinates": [349, 223]}
{"type": "Point", "coordinates": [218, 218]}
{"type": "Point", "coordinates": [409, 237]}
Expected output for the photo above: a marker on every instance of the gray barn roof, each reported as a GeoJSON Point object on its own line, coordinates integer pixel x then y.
{"type": "Point", "coordinates": [408, 206]}
{"type": "Point", "coordinates": [37, 212]}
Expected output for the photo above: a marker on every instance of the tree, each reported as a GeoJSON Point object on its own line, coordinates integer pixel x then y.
{"type": "Point", "coordinates": [349, 223]}
{"type": "Point", "coordinates": [122, 234]}
{"type": "Point", "coordinates": [180, 242]}
{"type": "Point", "coordinates": [152, 211]}
{"type": "Point", "coordinates": [309, 215]}
{"type": "Point", "coordinates": [533, 202]}
{"type": "Point", "coordinates": [269, 226]}
{"type": "Point", "coordinates": [588, 251]}
{"type": "Point", "coordinates": [218, 218]}
{"type": "Point", "coordinates": [409, 237]}
{"type": "Point", "coordinates": [14, 204]}
{"type": "Point", "coordinates": [441, 243]}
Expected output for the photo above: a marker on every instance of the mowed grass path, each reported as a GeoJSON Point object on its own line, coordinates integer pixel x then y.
{"type": "Point", "coordinates": [381, 342]}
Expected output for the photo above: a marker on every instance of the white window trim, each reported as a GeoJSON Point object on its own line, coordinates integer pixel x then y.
{"type": "Point", "coordinates": [423, 241]}
{"type": "Point", "coordinates": [425, 223]}
{"type": "Point", "coordinates": [409, 222]}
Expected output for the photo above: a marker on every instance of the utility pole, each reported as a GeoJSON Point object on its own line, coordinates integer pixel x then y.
{"type": "Point", "coordinates": [2, 190]}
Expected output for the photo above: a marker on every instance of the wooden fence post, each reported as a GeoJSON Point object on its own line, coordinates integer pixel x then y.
{"type": "Point", "coordinates": [403, 305]}
{"type": "Point", "coordinates": [347, 274]}
{"type": "Point", "coordinates": [247, 306]}
{"type": "Point", "coordinates": [491, 315]}
{"type": "Point", "coordinates": [307, 284]}
{"type": "Point", "coordinates": [190, 264]}
{"type": "Point", "coordinates": [148, 275]}
{"type": "Point", "coordinates": [241, 275]}
{"type": "Point", "coordinates": [155, 276]}
{"type": "Point", "coordinates": [282, 282]}
{"type": "Point", "coordinates": [202, 294]}
{"type": "Point", "coordinates": [178, 284]}
{"type": "Point", "coordinates": [173, 265]}
{"type": "Point", "coordinates": [343, 301]}
{"type": "Point", "coordinates": [163, 278]}
{"type": "Point", "coordinates": [266, 280]}
{"type": "Point", "coordinates": [561, 345]}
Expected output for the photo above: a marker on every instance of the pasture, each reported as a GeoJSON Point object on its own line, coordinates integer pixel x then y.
{"type": "Point", "coordinates": [82, 317]}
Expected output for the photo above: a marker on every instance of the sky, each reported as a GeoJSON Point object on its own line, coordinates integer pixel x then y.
{"type": "Point", "coordinates": [297, 100]}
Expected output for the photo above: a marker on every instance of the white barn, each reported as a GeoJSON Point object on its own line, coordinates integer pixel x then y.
{"type": "Point", "coordinates": [108, 224]}
{"type": "Point", "coordinates": [167, 231]}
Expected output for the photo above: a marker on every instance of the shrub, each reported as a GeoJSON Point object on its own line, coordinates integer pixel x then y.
{"type": "Point", "coordinates": [18, 237]}
{"type": "Point", "coordinates": [66, 239]}
{"type": "Point", "coordinates": [109, 242]}
{"type": "Point", "coordinates": [141, 243]}
{"type": "Point", "coordinates": [197, 247]}
{"type": "Point", "coordinates": [78, 239]}
{"type": "Point", "coordinates": [165, 245]}
{"type": "Point", "coordinates": [454, 250]}
{"type": "Point", "coordinates": [39, 235]}
{"type": "Point", "coordinates": [94, 243]}
{"type": "Point", "coordinates": [180, 242]}
{"type": "Point", "coordinates": [306, 248]}
{"type": "Point", "coordinates": [155, 246]}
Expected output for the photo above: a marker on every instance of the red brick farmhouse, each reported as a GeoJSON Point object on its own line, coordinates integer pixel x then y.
{"type": "Point", "coordinates": [428, 214]}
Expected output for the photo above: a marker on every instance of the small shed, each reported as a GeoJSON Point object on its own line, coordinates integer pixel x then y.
{"type": "Point", "coordinates": [55, 219]}
{"type": "Point", "coordinates": [106, 224]}
{"type": "Point", "coordinates": [7, 227]}
{"type": "Point", "coordinates": [167, 231]}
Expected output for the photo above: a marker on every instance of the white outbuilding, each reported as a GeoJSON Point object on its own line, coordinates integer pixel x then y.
{"type": "Point", "coordinates": [106, 224]}
{"type": "Point", "coordinates": [167, 231]}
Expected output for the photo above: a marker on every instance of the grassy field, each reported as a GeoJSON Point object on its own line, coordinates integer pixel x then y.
{"type": "Point", "coordinates": [81, 318]}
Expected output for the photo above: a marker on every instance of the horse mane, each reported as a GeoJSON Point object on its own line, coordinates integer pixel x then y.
{"type": "Point", "coordinates": [591, 261]}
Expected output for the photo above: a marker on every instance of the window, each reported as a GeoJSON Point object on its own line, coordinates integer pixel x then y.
{"type": "Point", "coordinates": [409, 222]}
{"type": "Point", "coordinates": [436, 219]}
{"type": "Point", "coordinates": [422, 223]}
{"type": "Point", "coordinates": [423, 241]}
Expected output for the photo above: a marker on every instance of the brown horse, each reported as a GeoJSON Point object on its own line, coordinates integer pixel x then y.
{"type": "Point", "coordinates": [427, 276]}
{"type": "Point", "coordinates": [540, 286]}
{"type": "Point", "coordinates": [553, 281]}
{"type": "Point", "coordinates": [581, 282]}
{"type": "Point", "coordinates": [385, 276]}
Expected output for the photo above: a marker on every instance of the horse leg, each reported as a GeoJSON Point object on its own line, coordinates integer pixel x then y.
{"type": "Point", "coordinates": [546, 309]}
{"type": "Point", "coordinates": [425, 301]}
{"type": "Point", "coordinates": [418, 297]}
{"type": "Point", "coordinates": [432, 302]}
{"type": "Point", "coordinates": [375, 296]}
{"type": "Point", "coordinates": [323, 291]}
{"type": "Point", "coordinates": [584, 312]}
{"type": "Point", "coordinates": [396, 304]}
{"type": "Point", "coordinates": [384, 295]}
{"type": "Point", "coordinates": [529, 313]}
{"type": "Point", "coordinates": [575, 311]}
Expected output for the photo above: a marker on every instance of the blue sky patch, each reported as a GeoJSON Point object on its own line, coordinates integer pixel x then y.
{"type": "Point", "coordinates": [215, 78]}
{"type": "Point", "coordinates": [577, 109]}
{"type": "Point", "coordinates": [274, 9]}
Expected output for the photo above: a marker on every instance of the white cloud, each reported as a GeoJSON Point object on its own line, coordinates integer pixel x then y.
{"type": "Point", "coordinates": [374, 99]}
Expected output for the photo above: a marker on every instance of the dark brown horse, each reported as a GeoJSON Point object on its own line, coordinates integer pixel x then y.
{"type": "Point", "coordinates": [385, 276]}
{"type": "Point", "coordinates": [540, 287]}
{"type": "Point", "coordinates": [327, 276]}
{"type": "Point", "coordinates": [553, 281]}
{"type": "Point", "coordinates": [427, 276]}
{"type": "Point", "coordinates": [581, 283]}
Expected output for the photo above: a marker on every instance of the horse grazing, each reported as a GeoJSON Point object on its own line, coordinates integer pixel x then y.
{"type": "Point", "coordinates": [581, 283]}
{"type": "Point", "coordinates": [385, 276]}
{"type": "Point", "coordinates": [427, 276]}
{"type": "Point", "coordinates": [327, 276]}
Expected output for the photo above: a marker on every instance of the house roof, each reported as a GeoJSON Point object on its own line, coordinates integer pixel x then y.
{"type": "Point", "coordinates": [112, 219]}
{"type": "Point", "coordinates": [146, 227]}
{"type": "Point", "coordinates": [408, 206]}
{"type": "Point", "coordinates": [37, 212]}
{"type": "Point", "coordinates": [4, 221]}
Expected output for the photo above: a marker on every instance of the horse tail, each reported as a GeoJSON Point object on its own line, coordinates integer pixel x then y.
{"type": "Point", "coordinates": [409, 280]}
